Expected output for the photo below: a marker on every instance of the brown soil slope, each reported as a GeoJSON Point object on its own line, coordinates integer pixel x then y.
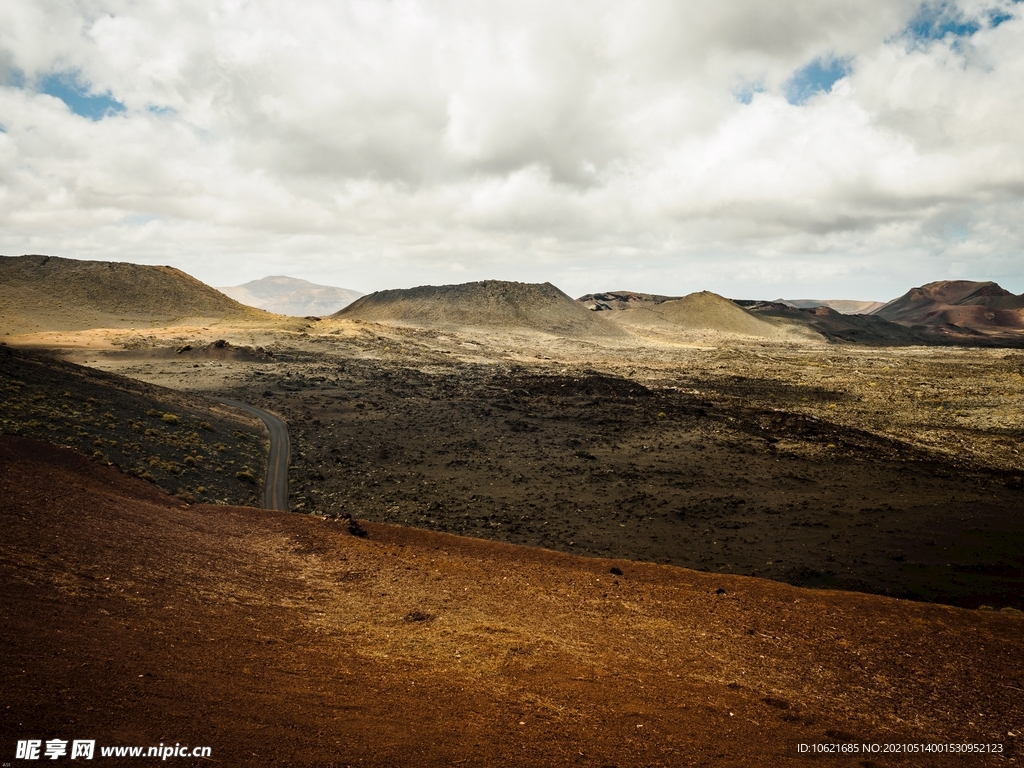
{"type": "Point", "coordinates": [704, 311]}
{"type": "Point", "coordinates": [959, 307]}
{"type": "Point", "coordinates": [487, 304]}
{"type": "Point", "coordinates": [44, 293]}
{"type": "Point", "coordinates": [279, 639]}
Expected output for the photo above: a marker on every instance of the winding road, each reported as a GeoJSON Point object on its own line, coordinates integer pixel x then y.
{"type": "Point", "coordinates": [275, 489]}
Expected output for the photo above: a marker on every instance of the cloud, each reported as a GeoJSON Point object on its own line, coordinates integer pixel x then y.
{"type": "Point", "coordinates": [378, 143]}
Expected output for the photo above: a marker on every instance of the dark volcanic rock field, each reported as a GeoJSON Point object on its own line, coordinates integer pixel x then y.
{"type": "Point", "coordinates": [595, 464]}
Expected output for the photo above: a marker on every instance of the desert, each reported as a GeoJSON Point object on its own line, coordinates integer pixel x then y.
{"type": "Point", "coordinates": [420, 384]}
{"type": "Point", "coordinates": [522, 529]}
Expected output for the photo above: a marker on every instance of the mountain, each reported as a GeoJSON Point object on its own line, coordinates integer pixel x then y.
{"type": "Point", "coordinates": [842, 306]}
{"type": "Point", "coordinates": [291, 296]}
{"type": "Point", "coordinates": [487, 304]}
{"type": "Point", "coordinates": [47, 293]}
{"type": "Point", "coordinates": [959, 308]}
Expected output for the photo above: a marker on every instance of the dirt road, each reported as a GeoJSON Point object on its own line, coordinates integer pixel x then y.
{"type": "Point", "coordinates": [275, 490]}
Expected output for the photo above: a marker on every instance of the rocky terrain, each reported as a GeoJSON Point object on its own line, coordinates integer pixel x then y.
{"type": "Point", "coordinates": [639, 508]}
{"type": "Point", "coordinates": [684, 470]}
{"type": "Point", "coordinates": [893, 471]}
{"type": "Point", "coordinates": [187, 445]}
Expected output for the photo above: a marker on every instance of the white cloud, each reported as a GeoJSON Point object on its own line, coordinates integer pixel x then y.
{"type": "Point", "coordinates": [376, 144]}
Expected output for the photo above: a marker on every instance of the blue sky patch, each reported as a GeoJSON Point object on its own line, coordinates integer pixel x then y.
{"type": "Point", "coordinates": [68, 88]}
{"type": "Point", "coordinates": [817, 77]}
{"type": "Point", "coordinates": [745, 93]}
{"type": "Point", "coordinates": [995, 18]}
{"type": "Point", "coordinates": [936, 20]}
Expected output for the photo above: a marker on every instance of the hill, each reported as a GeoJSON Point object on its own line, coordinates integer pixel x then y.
{"type": "Point", "coordinates": [836, 326]}
{"type": "Point", "coordinates": [280, 639]}
{"type": "Point", "coordinates": [47, 293]}
{"type": "Point", "coordinates": [704, 312]}
{"type": "Point", "coordinates": [959, 309]}
{"type": "Point", "coordinates": [291, 296]}
{"type": "Point", "coordinates": [488, 304]}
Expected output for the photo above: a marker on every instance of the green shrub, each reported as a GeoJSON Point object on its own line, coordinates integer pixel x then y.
{"type": "Point", "coordinates": [246, 476]}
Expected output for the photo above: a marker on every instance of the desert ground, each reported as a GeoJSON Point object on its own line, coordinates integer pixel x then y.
{"type": "Point", "coordinates": [681, 537]}
{"type": "Point", "coordinates": [895, 471]}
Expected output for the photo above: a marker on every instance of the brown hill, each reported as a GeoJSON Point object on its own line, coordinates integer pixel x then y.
{"type": "Point", "coordinates": [488, 304]}
{"type": "Point", "coordinates": [46, 293]}
{"type": "Point", "coordinates": [959, 308]}
{"type": "Point", "coordinates": [704, 312]}
{"type": "Point", "coordinates": [279, 639]}
{"type": "Point", "coordinates": [836, 326]}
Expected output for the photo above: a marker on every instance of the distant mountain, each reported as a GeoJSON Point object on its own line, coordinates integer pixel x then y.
{"type": "Point", "coordinates": [291, 296]}
{"type": "Point", "coordinates": [487, 304]}
{"type": "Point", "coordinates": [47, 293]}
{"type": "Point", "coordinates": [842, 306]}
{"type": "Point", "coordinates": [959, 308]}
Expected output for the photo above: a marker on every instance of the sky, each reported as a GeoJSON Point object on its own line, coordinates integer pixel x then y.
{"type": "Point", "coordinates": [797, 148]}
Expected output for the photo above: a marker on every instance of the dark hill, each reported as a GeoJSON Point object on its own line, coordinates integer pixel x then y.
{"type": "Point", "coordinates": [488, 304]}
{"type": "Point", "coordinates": [46, 293]}
{"type": "Point", "coordinates": [617, 300]}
